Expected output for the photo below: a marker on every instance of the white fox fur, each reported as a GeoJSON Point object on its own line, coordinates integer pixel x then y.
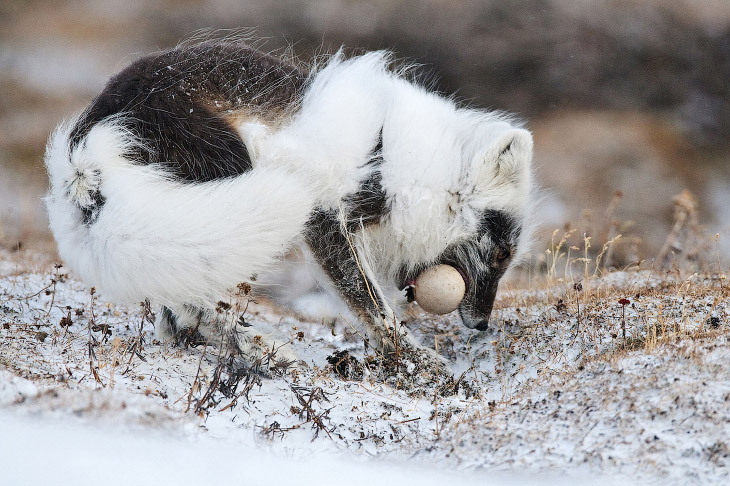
{"type": "Point", "coordinates": [187, 243]}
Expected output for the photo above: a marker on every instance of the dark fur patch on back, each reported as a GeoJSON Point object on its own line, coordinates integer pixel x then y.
{"type": "Point", "coordinates": [178, 103]}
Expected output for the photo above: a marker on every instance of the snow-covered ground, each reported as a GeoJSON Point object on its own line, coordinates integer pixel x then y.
{"type": "Point", "coordinates": [553, 393]}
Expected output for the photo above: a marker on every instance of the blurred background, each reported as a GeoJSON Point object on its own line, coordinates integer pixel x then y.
{"type": "Point", "coordinates": [628, 100]}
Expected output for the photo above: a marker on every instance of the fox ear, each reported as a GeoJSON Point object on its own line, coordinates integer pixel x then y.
{"type": "Point", "coordinates": [507, 159]}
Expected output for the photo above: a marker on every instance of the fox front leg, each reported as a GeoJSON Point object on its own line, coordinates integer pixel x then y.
{"type": "Point", "coordinates": [353, 279]}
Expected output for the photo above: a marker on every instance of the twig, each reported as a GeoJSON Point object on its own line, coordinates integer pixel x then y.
{"type": "Point", "coordinates": [200, 406]}
{"type": "Point", "coordinates": [436, 389]}
{"type": "Point", "coordinates": [578, 287]}
{"type": "Point", "coordinates": [251, 380]}
{"type": "Point", "coordinates": [311, 415]}
{"type": "Point", "coordinates": [91, 341]}
{"type": "Point", "coordinates": [197, 377]}
{"type": "Point", "coordinates": [138, 340]}
{"type": "Point", "coordinates": [34, 295]}
{"type": "Point", "coordinates": [53, 291]}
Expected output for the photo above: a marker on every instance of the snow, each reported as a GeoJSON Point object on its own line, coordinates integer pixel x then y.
{"type": "Point", "coordinates": [80, 454]}
{"type": "Point", "coordinates": [549, 395]}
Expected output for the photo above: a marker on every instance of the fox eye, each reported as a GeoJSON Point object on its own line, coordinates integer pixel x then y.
{"type": "Point", "coordinates": [502, 254]}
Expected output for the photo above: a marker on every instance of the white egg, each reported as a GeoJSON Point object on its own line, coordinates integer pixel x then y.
{"type": "Point", "coordinates": [439, 289]}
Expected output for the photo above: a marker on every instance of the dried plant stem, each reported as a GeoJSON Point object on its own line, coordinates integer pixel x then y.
{"type": "Point", "coordinates": [196, 380]}
{"type": "Point", "coordinates": [137, 346]}
{"type": "Point", "coordinates": [116, 342]}
{"type": "Point", "coordinates": [436, 388]}
{"type": "Point", "coordinates": [91, 341]}
{"type": "Point", "coordinates": [200, 406]}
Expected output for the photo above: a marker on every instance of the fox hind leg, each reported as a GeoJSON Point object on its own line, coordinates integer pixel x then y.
{"type": "Point", "coordinates": [182, 328]}
{"type": "Point", "coordinates": [251, 347]}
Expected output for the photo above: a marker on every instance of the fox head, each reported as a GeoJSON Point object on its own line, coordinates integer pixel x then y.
{"type": "Point", "coordinates": [482, 227]}
{"type": "Point", "coordinates": [501, 178]}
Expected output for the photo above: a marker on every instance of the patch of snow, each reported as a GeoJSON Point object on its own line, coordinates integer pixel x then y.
{"type": "Point", "coordinates": [45, 452]}
{"type": "Point", "coordinates": [546, 389]}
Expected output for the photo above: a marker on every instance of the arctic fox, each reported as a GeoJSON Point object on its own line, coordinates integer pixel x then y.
{"type": "Point", "coordinates": [199, 167]}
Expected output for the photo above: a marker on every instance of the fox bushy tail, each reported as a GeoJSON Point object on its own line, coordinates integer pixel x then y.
{"type": "Point", "coordinates": [135, 233]}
